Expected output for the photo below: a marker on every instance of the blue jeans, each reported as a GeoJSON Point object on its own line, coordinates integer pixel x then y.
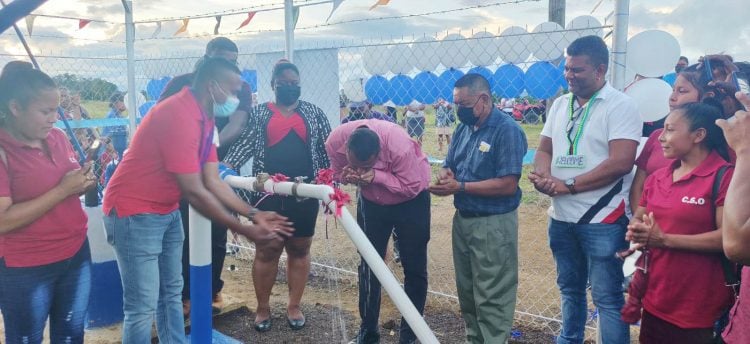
{"type": "Point", "coordinates": [59, 291]}
{"type": "Point", "coordinates": [582, 253]}
{"type": "Point", "coordinates": [149, 255]}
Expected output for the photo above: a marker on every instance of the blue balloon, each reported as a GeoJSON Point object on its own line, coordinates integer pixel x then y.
{"type": "Point", "coordinates": [507, 82]}
{"type": "Point", "coordinates": [154, 87]}
{"type": "Point", "coordinates": [145, 107]}
{"type": "Point", "coordinates": [400, 92]}
{"type": "Point", "coordinates": [542, 80]}
{"type": "Point", "coordinates": [483, 71]}
{"type": "Point", "coordinates": [563, 82]}
{"type": "Point", "coordinates": [376, 89]}
{"type": "Point", "coordinates": [426, 88]}
{"type": "Point", "coordinates": [250, 76]}
{"type": "Point", "coordinates": [670, 78]}
{"type": "Point", "coordinates": [446, 81]}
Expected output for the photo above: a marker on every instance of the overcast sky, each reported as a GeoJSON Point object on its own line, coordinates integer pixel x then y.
{"type": "Point", "coordinates": [700, 26]}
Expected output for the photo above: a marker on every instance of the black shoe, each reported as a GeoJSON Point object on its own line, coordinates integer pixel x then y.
{"type": "Point", "coordinates": [366, 338]}
{"type": "Point", "coordinates": [296, 324]}
{"type": "Point", "coordinates": [263, 326]}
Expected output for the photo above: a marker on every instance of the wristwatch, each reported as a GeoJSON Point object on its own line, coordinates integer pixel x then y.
{"type": "Point", "coordinates": [570, 183]}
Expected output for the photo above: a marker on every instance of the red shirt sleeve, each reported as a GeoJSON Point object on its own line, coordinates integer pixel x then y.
{"type": "Point", "coordinates": [724, 186]}
{"type": "Point", "coordinates": [648, 149]}
{"type": "Point", "coordinates": [179, 139]}
{"type": "Point", "coordinates": [4, 180]}
{"type": "Point", "coordinates": [647, 186]}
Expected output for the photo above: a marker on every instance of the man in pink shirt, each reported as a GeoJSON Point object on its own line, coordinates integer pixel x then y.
{"type": "Point", "coordinates": [393, 175]}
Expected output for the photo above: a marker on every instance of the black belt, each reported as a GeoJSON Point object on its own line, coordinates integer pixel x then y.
{"type": "Point", "coordinates": [473, 214]}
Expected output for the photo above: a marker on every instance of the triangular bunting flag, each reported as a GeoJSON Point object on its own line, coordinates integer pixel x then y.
{"type": "Point", "coordinates": [380, 3]}
{"type": "Point", "coordinates": [295, 15]}
{"type": "Point", "coordinates": [82, 23]}
{"type": "Point", "coordinates": [30, 23]}
{"type": "Point", "coordinates": [183, 28]}
{"type": "Point", "coordinates": [218, 23]}
{"type": "Point", "coordinates": [157, 31]}
{"type": "Point", "coordinates": [250, 16]}
{"type": "Point", "coordinates": [336, 4]}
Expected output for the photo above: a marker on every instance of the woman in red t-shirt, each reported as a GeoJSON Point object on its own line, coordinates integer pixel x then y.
{"type": "Point", "coordinates": [678, 222]}
{"type": "Point", "coordinates": [44, 256]}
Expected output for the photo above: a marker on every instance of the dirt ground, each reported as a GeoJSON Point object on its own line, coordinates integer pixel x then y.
{"type": "Point", "coordinates": [330, 300]}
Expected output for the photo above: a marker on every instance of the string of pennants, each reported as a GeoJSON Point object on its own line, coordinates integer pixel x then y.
{"type": "Point", "coordinates": [250, 15]}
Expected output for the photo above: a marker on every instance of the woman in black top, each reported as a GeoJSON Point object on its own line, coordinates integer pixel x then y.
{"type": "Point", "coordinates": [285, 136]}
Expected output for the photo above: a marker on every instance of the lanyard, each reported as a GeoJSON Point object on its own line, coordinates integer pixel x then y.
{"type": "Point", "coordinates": [573, 150]}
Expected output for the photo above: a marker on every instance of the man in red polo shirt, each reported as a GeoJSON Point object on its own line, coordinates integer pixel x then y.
{"type": "Point", "coordinates": [173, 155]}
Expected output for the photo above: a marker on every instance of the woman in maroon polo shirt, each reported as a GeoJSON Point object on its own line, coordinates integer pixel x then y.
{"type": "Point", "coordinates": [44, 254]}
{"type": "Point", "coordinates": [286, 136]}
{"type": "Point", "coordinates": [678, 222]}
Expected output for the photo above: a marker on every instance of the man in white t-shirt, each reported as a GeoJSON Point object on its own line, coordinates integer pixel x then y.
{"type": "Point", "coordinates": [587, 148]}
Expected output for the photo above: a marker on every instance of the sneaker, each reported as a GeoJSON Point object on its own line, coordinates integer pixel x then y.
{"type": "Point", "coordinates": [217, 304]}
{"type": "Point", "coordinates": [186, 308]}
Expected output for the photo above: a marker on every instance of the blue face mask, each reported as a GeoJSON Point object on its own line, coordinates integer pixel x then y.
{"type": "Point", "coordinates": [228, 107]}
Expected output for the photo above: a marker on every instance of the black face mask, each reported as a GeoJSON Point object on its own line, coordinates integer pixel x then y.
{"type": "Point", "coordinates": [287, 94]}
{"type": "Point", "coordinates": [466, 115]}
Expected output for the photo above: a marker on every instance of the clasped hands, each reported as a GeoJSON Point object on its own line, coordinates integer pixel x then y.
{"type": "Point", "coordinates": [547, 184]}
{"type": "Point", "coordinates": [645, 232]}
{"type": "Point", "coordinates": [445, 184]}
{"type": "Point", "coordinates": [357, 175]}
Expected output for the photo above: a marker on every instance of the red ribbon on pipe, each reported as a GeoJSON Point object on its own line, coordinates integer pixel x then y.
{"type": "Point", "coordinates": [341, 198]}
{"type": "Point", "coordinates": [325, 177]}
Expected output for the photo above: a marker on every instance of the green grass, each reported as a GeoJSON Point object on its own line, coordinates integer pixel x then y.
{"type": "Point", "coordinates": [96, 109]}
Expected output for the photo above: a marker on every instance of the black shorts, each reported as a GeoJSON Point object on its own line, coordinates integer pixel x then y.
{"type": "Point", "coordinates": [303, 213]}
{"type": "Point", "coordinates": [415, 126]}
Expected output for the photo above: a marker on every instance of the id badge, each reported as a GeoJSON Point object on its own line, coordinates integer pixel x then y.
{"type": "Point", "coordinates": [570, 161]}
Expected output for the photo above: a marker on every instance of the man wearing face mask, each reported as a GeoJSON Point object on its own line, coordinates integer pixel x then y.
{"type": "Point", "coordinates": [285, 136]}
{"type": "Point", "coordinates": [173, 156]}
{"type": "Point", "coordinates": [481, 171]}
{"type": "Point", "coordinates": [363, 110]}
{"type": "Point", "coordinates": [229, 124]}
{"type": "Point", "coordinates": [393, 175]}
{"type": "Point", "coordinates": [587, 148]}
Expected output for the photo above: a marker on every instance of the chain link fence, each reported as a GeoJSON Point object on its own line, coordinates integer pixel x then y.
{"type": "Point", "coordinates": [407, 81]}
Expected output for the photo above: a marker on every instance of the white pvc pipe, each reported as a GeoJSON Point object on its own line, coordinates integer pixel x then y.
{"type": "Point", "coordinates": [358, 237]}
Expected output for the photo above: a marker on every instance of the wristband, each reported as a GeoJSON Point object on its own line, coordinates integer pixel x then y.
{"type": "Point", "coordinates": [252, 213]}
{"type": "Point", "coordinates": [462, 187]}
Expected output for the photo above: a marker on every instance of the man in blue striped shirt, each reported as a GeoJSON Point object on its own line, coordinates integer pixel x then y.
{"type": "Point", "coordinates": [481, 171]}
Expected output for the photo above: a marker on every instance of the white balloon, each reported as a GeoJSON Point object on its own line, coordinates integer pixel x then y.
{"type": "Point", "coordinates": [582, 26]}
{"type": "Point", "coordinates": [652, 97]}
{"type": "Point", "coordinates": [375, 60]}
{"type": "Point", "coordinates": [652, 53]}
{"type": "Point", "coordinates": [424, 54]}
{"type": "Point", "coordinates": [548, 41]}
{"type": "Point", "coordinates": [354, 89]}
{"type": "Point", "coordinates": [453, 51]}
{"type": "Point", "coordinates": [483, 49]}
{"type": "Point", "coordinates": [398, 58]}
{"type": "Point", "coordinates": [513, 45]}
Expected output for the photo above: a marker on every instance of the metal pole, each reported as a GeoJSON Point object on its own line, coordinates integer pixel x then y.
{"type": "Point", "coordinates": [289, 29]}
{"type": "Point", "coordinates": [557, 12]}
{"type": "Point", "coordinates": [620, 43]}
{"type": "Point", "coordinates": [130, 48]}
